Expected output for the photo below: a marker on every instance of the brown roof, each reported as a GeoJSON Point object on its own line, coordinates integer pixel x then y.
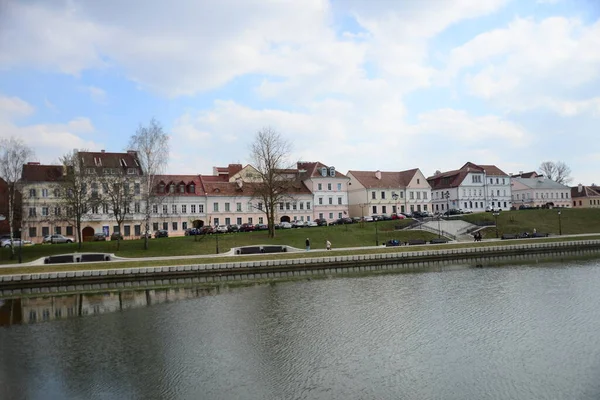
{"type": "Point", "coordinates": [41, 173]}
{"type": "Point", "coordinates": [454, 178]}
{"type": "Point", "coordinates": [313, 168]}
{"type": "Point", "coordinates": [110, 160]}
{"type": "Point", "coordinates": [187, 180]}
{"type": "Point", "coordinates": [531, 174]}
{"type": "Point", "coordinates": [225, 188]}
{"type": "Point", "coordinates": [388, 179]}
{"type": "Point", "coordinates": [586, 191]}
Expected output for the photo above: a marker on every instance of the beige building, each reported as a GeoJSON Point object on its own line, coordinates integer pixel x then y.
{"type": "Point", "coordinates": [585, 196]}
{"type": "Point", "coordinates": [540, 192]}
{"type": "Point", "coordinates": [386, 193]}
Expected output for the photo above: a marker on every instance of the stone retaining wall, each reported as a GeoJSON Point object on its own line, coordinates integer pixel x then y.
{"type": "Point", "coordinates": [277, 268]}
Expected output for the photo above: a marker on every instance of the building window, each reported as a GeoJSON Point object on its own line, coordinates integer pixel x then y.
{"type": "Point", "coordinates": [250, 220]}
{"type": "Point", "coordinates": [227, 207]}
{"type": "Point", "coordinates": [339, 186]}
{"type": "Point", "coordinates": [320, 200]}
{"type": "Point", "coordinates": [320, 215]}
{"type": "Point", "coordinates": [281, 206]}
{"type": "Point", "coordinates": [136, 188]}
{"type": "Point", "coordinates": [294, 206]}
{"type": "Point", "coordinates": [261, 220]}
{"type": "Point", "coordinates": [476, 179]}
{"type": "Point", "coordinates": [155, 226]}
{"type": "Point", "coordinates": [418, 195]}
{"type": "Point", "coordinates": [216, 207]}
{"type": "Point", "coordinates": [193, 209]}
{"type": "Point", "coordinates": [287, 206]}
{"type": "Point", "coordinates": [32, 232]}
{"type": "Point", "coordinates": [260, 206]}
{"type": "Point", "coordinates": [32, 193]}
{"type": "Point", "coordinates": [171, 189]}
{"type": "Point", "coordinates": [383, 195]}
{"type": "Point", "coordinates": [330, 200]}
{"type": "Point", "coordinates": [249, 208]}
{"type": "Point", "coordinates": [44, 192]}
{"type": "Point", "coordinates": [227, 221]}
{"type": "Point", "coordinates": [165, 209]}
{"type": "Point", "coordinates": [192, 188]}
{"type": "Point", "coordinates": [239, 220]}
{"type": "Point", "coordinates": [155, 208]}
{"type": "Point", "coordinates": [183, 226]}
{"type": "Point", "coordinates": [308, 205]}
{"type": "Point", "coordinates": [56, 210]}
{"type": "Point", "coordinates": [95, 210]}
{"type": "Point", "coordinates": [181, 188]}
{"type": "Point", "coordinates": [320, 186]}
{"type": "Point", "coordinates": [374, 209]}
{"type": "Point", "coordinates": [330, 215]}
{"type": "Point", "coordinates": [383, 209]}
{"type": "Point", "coordinates": [32, 211]}
{"type": "Point", "coordinates": [184, 209]}
{"type": "Point", "coordinates": [424, 195]}
{"type": "Point", "coordinates": [174, 208]}
{"type": "Point", "coordinates": [412, 195]}
{"type": "Point", "coordinates": [373, 195]}
{"type": "Point", "coordinates": [238, 207]}
{"type": "Point", "coordinates": [301, 205]}
{"type": "Point", "coordinates": [165, 226]}
{"type": "Point", "coordinates": [45, 231]}
{"type": "Point", "coordinates": [201, 208]}
{"type": "Point", "coordinates": [174, 226]}
{"type": "Point", "coordinates": [329, 186]}
{"type": "Point", "coordinates": [339, 200]}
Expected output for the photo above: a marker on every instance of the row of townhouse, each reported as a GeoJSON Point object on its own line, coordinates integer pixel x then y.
{"type": "Point", "coordinates": [316, 191]}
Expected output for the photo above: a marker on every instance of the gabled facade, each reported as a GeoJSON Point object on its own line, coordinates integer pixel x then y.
{"type": "Point", "coordinates": [329, 190]}
{"type": "Point", "coordinates": [181, 204]}
{"type": "Point", "coordinates": [540, 192]}
{"type": "Point", "coordinates": [585, 196]}
{"type": "Point", "coordinates": [474, 187]}
{"type": "Point", "coordinates": [379, 192]}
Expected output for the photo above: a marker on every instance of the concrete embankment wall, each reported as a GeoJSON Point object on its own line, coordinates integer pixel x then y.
{"type": "Point", "coordinates": [265, 269]}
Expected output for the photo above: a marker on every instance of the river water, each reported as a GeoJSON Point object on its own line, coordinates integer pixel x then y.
{"type": "Point", "coordinates": [511, 332]}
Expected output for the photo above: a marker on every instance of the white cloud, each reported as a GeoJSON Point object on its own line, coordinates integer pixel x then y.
{"type": "Point", "coordinates": [524, 65]}
{"type": "Point", "coordinates": [97, 94]}
{"type": "Point", "coordinates": [14, 107]}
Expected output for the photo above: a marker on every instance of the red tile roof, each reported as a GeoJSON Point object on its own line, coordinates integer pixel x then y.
{"type": "Point", "coordinates": [454, 178]}
{"type": "Point", "coordinates": [41, 173]}
{"type": "Point", "coordinates": [313, 170]}
{"type": "Point", "coordinates": [388, 179]}
{"type": "Point", "coordinates": [586, 191]}
{"type": "Point", "coordinates": [225, 188]}
{"type": "Point", "coordinates": [187, 180]}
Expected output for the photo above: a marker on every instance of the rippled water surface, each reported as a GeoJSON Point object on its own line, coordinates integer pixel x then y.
{"type": "Point", "coordinates": [521, 332]}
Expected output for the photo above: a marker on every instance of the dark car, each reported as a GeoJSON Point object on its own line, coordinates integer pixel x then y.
{"type": "Point", "coordinates": [321, 221]}
{"type": "Point", "coordinates": [161, 233]}
{"type": "Point", "coordinates": [233, 228]}
{"type": "Point", "coordinates": [392, 243]}
{"type": "Point", "coordinates": [419, 214]}
{"type": "Point", "coordinates": [114, 236]}
{"type": "Point", "coordinates": [261, 227]}
{"type": "Point", "coordinates": [191, 232]}
{"type": "Point", "coordinates": [99, 237]}
{"type": "Point", "coordinates": [246, 228]}
{"type": "Point", "coordinates": [206, 230]}
{"type": "Point", "coordinates": [452, 212]}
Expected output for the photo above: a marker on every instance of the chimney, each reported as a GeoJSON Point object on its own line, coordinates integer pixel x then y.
{"type": "Point", "coordinates": [130, 152]}
{"type": "Point", "coordinates": [580, 188]}
{"type": "Point", "coordinates": [378, 174]}
{"type": "Point", "coordinates": [239, 183]}
{"type": "Point", "coordinates": [102, 151]}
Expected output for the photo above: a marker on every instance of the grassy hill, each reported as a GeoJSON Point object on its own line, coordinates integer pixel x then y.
{"type": "Point", "coordinates": [572, 221]}
{"type": "Point", "coordinates": [352, 235]}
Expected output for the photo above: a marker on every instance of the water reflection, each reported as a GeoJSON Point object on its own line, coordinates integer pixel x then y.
{"type": "Point", "coordinates": [31, 310]}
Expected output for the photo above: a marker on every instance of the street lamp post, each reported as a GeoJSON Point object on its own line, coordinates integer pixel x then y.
{"type": "Point", "coordinates": [20, 245]}
{"type": "Point", "coordinates": [376, 232]}
{"type": "Point", "coordinates": [439, 226]}
{"type": "Point", "coordinates": [496, 218]}
{"type": "Point", "coordinates": [559, 224]}
{"type": "Point", "coordinates": [395, 198]}
{"type": "Point", "coordinates": [447, 196]}
{"type": "Point", "coordinates": [362, 213]}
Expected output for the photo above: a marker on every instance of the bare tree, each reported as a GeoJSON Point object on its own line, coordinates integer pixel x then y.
{"type": "Point", "coordinates": [557, 171]}
{"type": "Point", "coordinates": [13, 154]}
{"type": "Point", "coordinates": [152, 146]}
{"type": "Point", "coordinates": [117, 196]}
{"type": "Point", "coordinates": [78, 193]}
{"type": "Point", "coordinates": [269, 156]}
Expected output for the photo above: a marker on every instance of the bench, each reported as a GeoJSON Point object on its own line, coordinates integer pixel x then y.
{"type": "Point", "coordinates": [249, 250]}
{"type": "Point", "coordinates": [537, 234]}
{"type": "Point", "coordinates": [416, 241]}
{"type": "Point", "coordinates": [273, 249]}
{"type": "Point", "coordinates": [438, 240]}
{"type": "Point", "coordinates": [59, 259]}
{"type": "Point", "coordinates": [94, 257]}
{"type": "Point", "coordinates": [509, 236]}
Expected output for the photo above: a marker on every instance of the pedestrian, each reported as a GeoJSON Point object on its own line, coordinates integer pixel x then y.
{"type": "Point", "coordinates": [534, 231]}
{"type": "Point", "coordinates": [307, 244]}
{"type": "Point", "coordinates": [328, 245]}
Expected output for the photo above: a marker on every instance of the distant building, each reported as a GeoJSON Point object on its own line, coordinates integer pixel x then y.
{"type": "Point", "coordinates": [585, 196]}
{"type": "Point", "coordinates": [540, 192]}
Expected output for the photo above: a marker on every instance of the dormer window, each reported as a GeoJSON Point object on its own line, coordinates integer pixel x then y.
{"type": "Point", "coordinates": [123, 163]}
{"type": "Point", "coordinates": [161, 188]}
{"type": "Point", "coordinates": [192, 188]}
{"type": "Point", "coordinates": [130, 171]}
{"type": "Point", "coordinates": [172, 188]}
{"type": "Point", "coordinates": [181, 188]}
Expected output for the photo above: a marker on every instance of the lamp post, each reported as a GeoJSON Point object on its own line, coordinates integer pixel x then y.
{"type": "Point", "coordinates": [20, 245]}
{"type": "Point", "coordinates": [395, 198]}
{"type": "Point", "coordinates": [217, 240]}
{"type": "Point", "coordinates": [447, 196]}
{"type": "Point", "coordinates": [559, 224]}
{"type": "Point", "coordinates": [376, 232]}
{"type": "Point", "coordinates": [439, 226]}
{"type": "Point", "coordinates": [362, 213]}
{"type": "Point", "coordinates": [496, 218]}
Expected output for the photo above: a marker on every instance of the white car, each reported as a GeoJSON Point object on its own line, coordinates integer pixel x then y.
{"type": "Point", "coordinates": [16, 242]}
{"type": "Point", "coordinates": [467, 211]}
{"type": "Point", "coordinates": [368, 219]}
{"type": "Point", "coordinates": [222, 229]}
{"type": "Point", "coordinates": [285, 225]}
{"type": "Point", "coordinates": [310, 223]}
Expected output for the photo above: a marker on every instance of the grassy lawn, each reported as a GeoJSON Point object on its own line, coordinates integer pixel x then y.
{"type": "Point", "coordinates": [572, 221]}
{"type": "Point", "coordinates": [352, 235]}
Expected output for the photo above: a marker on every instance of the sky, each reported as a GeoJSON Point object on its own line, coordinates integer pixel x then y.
{"type": "Point", "coordinates": [383, 85]}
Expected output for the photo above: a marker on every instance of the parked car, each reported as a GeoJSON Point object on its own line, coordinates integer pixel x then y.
{"type": "Point", "coordinates": [233, 228]}
{"type": "Point", "coordinates": [261, 227]}
{"type": "Point", "coordinates": [321, 221]}
{"type": "Point", "coordinates": [222, 229]}
{"type": "Point", "coordinates": [419, 214]}
{"type": "Point", "coordinates": [466, 211]}
{"type": "Point", "coordinates": [398, 216]}
{"type": "Point", "coordinates": [451, 212]}
{"type": "Point", "coordinates": [99, 237]}
{"type": "Point", "coordinates": [297, 224]}
{"type": "Point", "coordinates": [492, 209]}
{"type": "Point", "coordinates": [206, 230]}
{"type": "Point", "coordinates": [15, 242]}
{"type": "Point", "coordinates": [368, 219]}
{"type": "Point", "coordinates": [55, 239]}
{"type": "Point", "coordinates": [392, 243]}
{"type": "Point", "coordinates": [246, 228]}
{"type": "Point", "coordinates": [525, 207]}
{"type": "Point", "coordinates": [116, 236]}
{"type": "Point", "coordinates": [285, 225]}
{"type": "Point", "coordinates": [310, 224]}
{"type": "Point", "coordinates": [161, 233]}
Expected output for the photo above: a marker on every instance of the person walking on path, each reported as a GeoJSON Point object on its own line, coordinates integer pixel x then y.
{"type": "Point", "coordinates": [307, 244]}
{"type": "Point", "coordinates": [328, 245]}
